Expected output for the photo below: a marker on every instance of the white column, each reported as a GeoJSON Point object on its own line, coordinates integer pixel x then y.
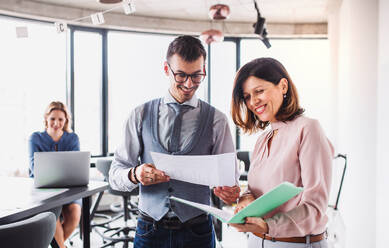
{"type": "Point", "coordinates": [357, 120]}
{"type": "Point", "coordinates": [382, 126]}
{"type": "Point", "coordinates": [333, 38]}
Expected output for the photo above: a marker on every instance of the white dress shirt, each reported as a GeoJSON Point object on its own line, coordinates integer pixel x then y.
{"type": "Point", "coordinates": [128, 153]}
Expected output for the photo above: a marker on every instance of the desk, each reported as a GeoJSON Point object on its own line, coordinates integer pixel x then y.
{"type": "Point", "coordinates": [19, 200]}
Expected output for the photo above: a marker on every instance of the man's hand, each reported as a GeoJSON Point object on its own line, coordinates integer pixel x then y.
{"type": "Point", "coordinates": [228, 194]}
{"type": "Point", "coordinates": [147, 174]}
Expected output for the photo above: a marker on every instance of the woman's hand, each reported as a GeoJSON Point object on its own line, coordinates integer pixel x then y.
{"type": "Point", "coordinates": [253, 225]}
{"type": "Point", "coordinates": [228, 194]}
{"type": "Point", "coordinates": [244, 200]}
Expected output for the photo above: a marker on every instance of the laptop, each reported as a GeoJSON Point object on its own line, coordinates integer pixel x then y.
{"type": "Point", "coordinates": [61, 169]}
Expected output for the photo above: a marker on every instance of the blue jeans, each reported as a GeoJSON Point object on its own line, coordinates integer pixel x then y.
{"type": "Point", "coordinates": [149, 235]}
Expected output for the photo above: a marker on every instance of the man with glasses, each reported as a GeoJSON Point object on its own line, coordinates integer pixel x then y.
{"type": "Point", "coordinates": [178, 124]}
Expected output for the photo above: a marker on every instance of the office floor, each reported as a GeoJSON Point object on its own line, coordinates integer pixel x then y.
{"type": "Point", "coordinates": [231, 239]}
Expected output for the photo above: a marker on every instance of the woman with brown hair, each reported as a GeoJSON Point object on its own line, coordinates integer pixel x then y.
{"type": "Point", "coordinates": [58, 136]}
{"type": "Point", "coordinates": [292, 147]}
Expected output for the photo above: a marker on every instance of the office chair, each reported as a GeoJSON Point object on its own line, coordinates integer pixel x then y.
{"type": "Point", "coordinates": [244, 156]}
{"type": "Point", "coordinates": [338, 173]}
{"type": "Point", "coordinates": [34, 232]}
{"type": "Point", "coordinates": [129, 211]}
{"type": "Point", "coordinates": [336, 229]}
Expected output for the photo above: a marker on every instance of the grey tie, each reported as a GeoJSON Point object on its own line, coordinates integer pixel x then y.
{"type": "Point", "coordinates": [176, 129]}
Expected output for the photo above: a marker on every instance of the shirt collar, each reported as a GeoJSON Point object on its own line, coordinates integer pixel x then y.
{"type": "Point", "coordinates": [277, 125]}
{"type": "Point", "coordinates": [168, 98]}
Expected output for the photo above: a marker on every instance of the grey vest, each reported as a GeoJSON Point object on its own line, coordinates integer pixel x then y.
{"type": "Point", "coordinates": [153, 199]}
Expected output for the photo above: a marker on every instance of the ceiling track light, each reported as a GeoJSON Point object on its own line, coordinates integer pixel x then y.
{"type": "Point", "coordinates": [259, 27]}
{"type": "Point", "coordinates": [264, 38]}
{"type": "Point", "coordinates": [211, 35]}
{"type": "Point", "coordinates": [219, 12]}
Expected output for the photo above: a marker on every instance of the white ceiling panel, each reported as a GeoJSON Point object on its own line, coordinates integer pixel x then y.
{"type": "Point", "coordinates": [275, 11]}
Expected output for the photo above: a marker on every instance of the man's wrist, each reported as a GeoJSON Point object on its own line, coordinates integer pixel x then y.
{"type": "Point", "coordinates": [132, 176]}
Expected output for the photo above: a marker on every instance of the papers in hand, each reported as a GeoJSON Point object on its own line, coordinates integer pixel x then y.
{"type": "Point", "coordinates": [210, 170]}
{"type": "Point", "coordinates": [258, 208]}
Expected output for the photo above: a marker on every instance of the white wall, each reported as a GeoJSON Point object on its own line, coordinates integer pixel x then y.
{"type": "Point", "coordinates": [382, 125]}
{"type": "Point", "coordinates": [354, 30]}
{"type": "Point", "coordinates": [333, 38]}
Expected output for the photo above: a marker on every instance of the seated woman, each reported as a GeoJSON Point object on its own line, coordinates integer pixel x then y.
{"type": "Point", "coordinates": [291, 148]}
{"type": "Point", "coordinates": [58, 137]}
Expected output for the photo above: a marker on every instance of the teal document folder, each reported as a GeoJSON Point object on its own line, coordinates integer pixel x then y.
{"type": "Point", "coordinates": [258, 208]}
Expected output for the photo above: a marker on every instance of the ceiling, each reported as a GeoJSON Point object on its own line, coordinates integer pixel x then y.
{"type": "Point", "coordinates": [275, 11]}
{"type": "Point", "coordinates": [284, 18]}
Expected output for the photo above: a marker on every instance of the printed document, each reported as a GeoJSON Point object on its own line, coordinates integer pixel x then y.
{"type": "Point", "coordinates": [210, 170]}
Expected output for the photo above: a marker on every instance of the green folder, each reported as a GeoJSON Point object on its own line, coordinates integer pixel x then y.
{"type": "Point", "coordinates": [258, 208]}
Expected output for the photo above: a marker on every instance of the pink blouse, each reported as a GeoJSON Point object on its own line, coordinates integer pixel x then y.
{"type": "Point", "coordinates": [300, 153]}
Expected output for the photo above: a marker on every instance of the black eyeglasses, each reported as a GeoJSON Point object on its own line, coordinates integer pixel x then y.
{"type": "Point", "coordinates": [181, 77]}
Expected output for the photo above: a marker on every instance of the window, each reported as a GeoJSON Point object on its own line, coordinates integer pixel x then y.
{"type": "Point", "coordinates": [33, 73]}
{"type": "Point", "coordinates": [135, 75]}
{"type": "Point", "coordinates": [307, 61]}
{"type": "Point", "coordinates": [88, 90]}
{"type": "Point", "coordinates": [223, 68]}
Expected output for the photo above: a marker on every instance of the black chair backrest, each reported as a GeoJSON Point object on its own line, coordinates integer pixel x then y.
{"type": "Point", "coordinates": [34, 232]}
{"type": "Point", "coordinates": [245, 157]}
{"type": "Point", "coordinates": [103, 165]}
{"type": "Point", "coordinates": [338, 173]}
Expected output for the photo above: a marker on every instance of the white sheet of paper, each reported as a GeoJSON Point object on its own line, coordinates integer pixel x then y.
{"type": "Point", "coordinates": [224, 215]}
{"type": "Point", "coordinates": [210, 170]}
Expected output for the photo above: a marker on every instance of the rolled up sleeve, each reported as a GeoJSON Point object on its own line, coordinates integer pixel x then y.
{"type": "Point", "coordinates": [127, 154]}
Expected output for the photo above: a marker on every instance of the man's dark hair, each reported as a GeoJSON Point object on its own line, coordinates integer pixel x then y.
{"type": "Point", "coordinates": [187, 47]}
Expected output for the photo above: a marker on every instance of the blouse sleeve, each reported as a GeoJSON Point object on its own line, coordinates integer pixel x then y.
{"type": "Point", "coordinates": [32, 147]}
{"type": "Point", "coordinates": [74, 143]}
{"type": "Point", "coordinates": [315, 156]}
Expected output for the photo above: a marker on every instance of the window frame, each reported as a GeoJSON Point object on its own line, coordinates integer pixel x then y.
{"type": "Point", "coordinates": [70, 84]}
